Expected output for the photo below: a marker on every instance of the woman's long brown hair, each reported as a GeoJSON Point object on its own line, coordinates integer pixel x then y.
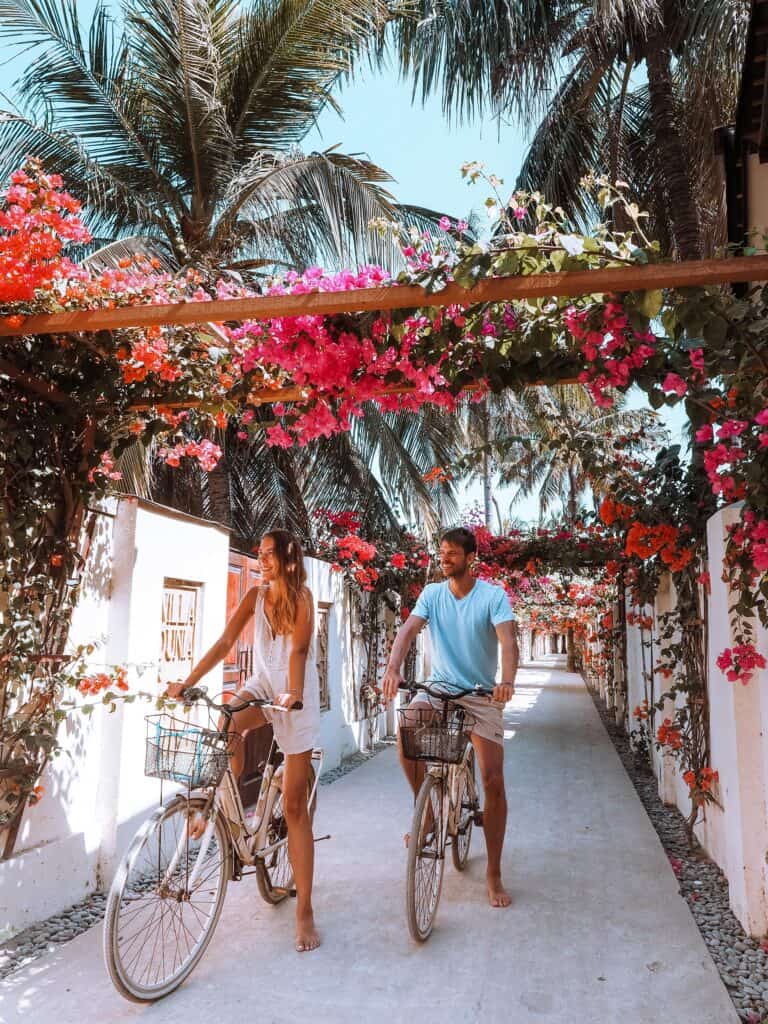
{"type": "Point", "coordinates": [289, 580]}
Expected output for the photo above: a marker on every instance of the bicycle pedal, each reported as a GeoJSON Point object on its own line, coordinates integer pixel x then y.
{"type": "Point", "coordinates": [320, 839]}
{"type": "Point", "coordinates": [478, 818]}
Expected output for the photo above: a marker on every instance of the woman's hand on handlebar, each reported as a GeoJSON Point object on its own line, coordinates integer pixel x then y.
{"type": "Point", "coordinates": [287, 700]}
{"type": "Point", "coordinates": [175, 691]}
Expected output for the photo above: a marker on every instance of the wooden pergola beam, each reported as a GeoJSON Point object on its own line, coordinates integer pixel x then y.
{"type": "Point", "coordinates": [497, 289]}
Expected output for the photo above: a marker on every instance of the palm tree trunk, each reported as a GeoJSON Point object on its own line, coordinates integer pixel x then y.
{"type": "Point", "coordinates": [486, 464]}
{"type": "Point", "coordinates": [571, 499]}
{"type": "Point", "coordinates": [669, 145]}
{"type": "Point", "coordinates": [219, 492]}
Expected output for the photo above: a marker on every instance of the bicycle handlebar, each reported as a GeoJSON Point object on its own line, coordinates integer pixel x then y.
{"type": "Point", "coordinates": [195, 693]}
{"type": "Point", "coordinates": [476, 691]}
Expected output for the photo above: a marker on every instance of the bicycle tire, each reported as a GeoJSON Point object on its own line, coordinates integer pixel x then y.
{"type": "Point", "coordinates": [274, 874]}
{"type": "Point", "coordinates": [426, 862]}
{"type": "Point", "coordinates": [136, 877]}
{"type": "Point", "coordinates": [460, 843]}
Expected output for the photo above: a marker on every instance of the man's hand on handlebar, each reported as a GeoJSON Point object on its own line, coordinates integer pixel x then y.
{"type": "Point", "coordinates": [393, 678]}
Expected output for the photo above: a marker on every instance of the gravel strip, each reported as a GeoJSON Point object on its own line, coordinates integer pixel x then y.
{"type": "Point", "coordinates": [741, 960]}
{"type": "Point", "coordinates": [45, 936]}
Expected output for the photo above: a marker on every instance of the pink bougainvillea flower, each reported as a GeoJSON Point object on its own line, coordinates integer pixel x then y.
{"type": "Point", "coordinates": [705, 434]}
{"type": "Point", "coordinates": [673, 382]}
{"type": "Point", "coordinates": [278, 437]}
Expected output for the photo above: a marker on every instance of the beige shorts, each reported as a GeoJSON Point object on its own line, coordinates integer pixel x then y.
{"type": "Point", "coordinates": [295, 731]}
{"type": "Point", "coordinates": [488, 714]}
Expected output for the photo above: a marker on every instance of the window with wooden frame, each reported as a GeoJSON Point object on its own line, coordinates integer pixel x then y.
{"type": "Point", "coordinates": [321, 652]}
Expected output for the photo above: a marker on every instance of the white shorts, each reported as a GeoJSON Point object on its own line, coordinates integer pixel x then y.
{"type": "Point", "coordinates": [488, 714]}
{"type": "Point", "coordinates": [295, 731]}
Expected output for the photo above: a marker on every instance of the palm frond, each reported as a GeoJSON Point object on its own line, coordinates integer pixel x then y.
{"type": "Point", "coordinates": [113, 203]}
{"type": "Point", "coordinates": [287, 56]}
{"type": "Point", "coordinates": [569, 143]}
{"type": "Point", "coordinates": [336, 194]}
{"type": "Point", "coordinates": [83, 89]}
{"type": "Point", "coordinates": [175, 47]}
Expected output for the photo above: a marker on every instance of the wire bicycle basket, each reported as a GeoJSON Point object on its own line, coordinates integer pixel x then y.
{"type": "Point", "coordinates": [430, 733]}
{"type": "Point", "coordinates": [179, 751]}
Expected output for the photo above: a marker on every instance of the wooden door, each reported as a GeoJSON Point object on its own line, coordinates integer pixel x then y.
{"type": "Point", "coordinates": [238, 667]}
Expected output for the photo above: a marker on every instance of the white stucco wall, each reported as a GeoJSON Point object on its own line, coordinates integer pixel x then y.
{"type": "Point", "coordinates": [96, 793]}
{"type": "Point", "coordinates": [757, 194]}
{"type": "Point", "coordinates": [734, 834]}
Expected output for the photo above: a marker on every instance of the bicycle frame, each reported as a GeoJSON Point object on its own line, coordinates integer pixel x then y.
{"type": "Point", "coordinates": [450, 777]}
{"type": "Point", "coordinates": [249, 844]}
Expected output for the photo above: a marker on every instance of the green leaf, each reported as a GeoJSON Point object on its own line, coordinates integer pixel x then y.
{"type": "Point", "coordinates": [651, 303]}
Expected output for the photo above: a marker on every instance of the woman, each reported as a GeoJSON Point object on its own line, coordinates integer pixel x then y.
{"type": "Point", "coordinates": [285, 673]}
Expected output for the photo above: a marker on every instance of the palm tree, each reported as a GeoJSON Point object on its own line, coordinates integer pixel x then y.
{"type": "Point", "coordinates": [563, 451]}
{"type": "Point", "coordinates": [180, 127]}
{"type": "Point", "coordinates": [628, 88]}
{"type": "Point", "coordinates": [487, 424]}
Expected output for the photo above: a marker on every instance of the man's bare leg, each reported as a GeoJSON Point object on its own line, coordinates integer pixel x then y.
{"type": "Point", "coordinates": [490, 757]}
{"type": "Point", "coordinates": [301, 846]}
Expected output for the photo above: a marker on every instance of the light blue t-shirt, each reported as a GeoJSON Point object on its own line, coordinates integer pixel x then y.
{"type": "Point", "coordinates": [462, 632]}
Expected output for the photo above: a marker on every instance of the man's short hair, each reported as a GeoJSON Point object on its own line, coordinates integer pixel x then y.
{"type": "Point", "coordinates": [462, 538]}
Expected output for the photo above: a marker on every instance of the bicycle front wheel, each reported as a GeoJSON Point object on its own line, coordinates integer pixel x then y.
{"type": "Point", "coordinates": [426, 859]}
{"type": "Point", "coordinates": [165, 902]}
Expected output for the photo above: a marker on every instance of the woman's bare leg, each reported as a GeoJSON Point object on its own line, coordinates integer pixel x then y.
{"type": "Point", "coordinates": [301, 845]}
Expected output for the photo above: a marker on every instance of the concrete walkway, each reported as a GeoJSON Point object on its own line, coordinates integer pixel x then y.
{"type": "Point", "coordinates": [598, 933]}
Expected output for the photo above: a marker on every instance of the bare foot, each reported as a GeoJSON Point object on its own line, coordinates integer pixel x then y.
{"type": "Point", "coordinates": [307, 937]}
{"type": "Point", "coordinates": [196, 826]}
{"type": "Point", "coordinates": [497, 894]}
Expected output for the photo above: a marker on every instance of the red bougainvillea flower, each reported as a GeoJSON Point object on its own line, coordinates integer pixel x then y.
{"type": "Point", "coordinates": [740, 662]}
{"type": "Point", "coordinates": [669, 735]}
{"type": "Point", "coordinates": [611, 511]}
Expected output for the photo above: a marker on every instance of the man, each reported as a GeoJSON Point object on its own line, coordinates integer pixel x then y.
{"type": "Point", "coordinates": [468, 620]}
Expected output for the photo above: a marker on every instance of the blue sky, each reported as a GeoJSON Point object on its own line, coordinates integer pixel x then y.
{"type": "Point", "coordinates": [422, 151]}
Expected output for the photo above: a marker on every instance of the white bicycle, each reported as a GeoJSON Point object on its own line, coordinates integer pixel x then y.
{"type": "Point", "coordinates": [447, 804]}
{"type": "Point", "coordinates": [168, 893]}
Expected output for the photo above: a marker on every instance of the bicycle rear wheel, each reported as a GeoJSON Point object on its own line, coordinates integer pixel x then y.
{"type": "Point", "coordinates": [467, 808]}
{"type": "Point", "coordinates": [165, 902]}
{"type": "Point", "coordinates": [274, 874]}
{"type": "Point", "coordinates": [426, 859]}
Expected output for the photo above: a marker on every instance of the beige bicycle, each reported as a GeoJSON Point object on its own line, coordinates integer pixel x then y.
{"type": "Point", "coordinates": [447, 804]}
{"type": "Point", "coordinates": [168, 893]}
